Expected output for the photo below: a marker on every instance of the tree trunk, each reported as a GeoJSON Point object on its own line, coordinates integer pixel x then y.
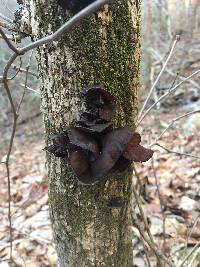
{"type": "Point", "coordinates": [103, 50]}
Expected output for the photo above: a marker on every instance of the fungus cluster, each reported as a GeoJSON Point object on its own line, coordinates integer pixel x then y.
{"type": "Point", "coordinates": [74, 5]}
{"type": "Point", "coordinates": [93, 148]}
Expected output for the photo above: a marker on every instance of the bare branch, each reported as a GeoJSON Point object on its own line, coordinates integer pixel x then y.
{"type": "Point", "coordinates": [25, 84]}
{"type": "Point", "coordinates": [13, 28]}
{"type": "Point", "coordinates": [160, 61]}
{"type": "Point", "coordinates": [191, 230]}
{"type": "Point", "coordinates": [155, 249]}
{"type": "Point", "coordinates": [172, 123]}
{"type": "Point", "coordinates": [139, 204]}
{"type": "Point", "coordinates": [15, 67]}
{"type": "Point", "coordinates": [12, 37]}
{"type": "Point", "coordinates": [10, 45]}
{"type": "Point", "coordinates": [165, 95]}
{"type": "Point", "coordinates": [145, 252]}
{"type": "Point", "coordinates": [189, 233]}
{"type": "Point", "coordinates": [144, 219]}
{"type": "Point", "coordinates": [189, 254]}
{"type": "Point", "coordinates": [194, 256]}
{"type": "Point", "coordinates": [5, 81]}
{"type": "Point", "coordinates": [23, 94]}
{"type": "Point", "coordinates": [162, 206]}
{"type": "Point", "coordinates": [8, 26]}
{"type": "Point", "coordinates": [67, 26]}
{"type": "Point", "coordinates": [15, 116]}
{"type": "Point", "coordinates": [176, 152]}
{"type": "Point", "coordinates": [159, 75]}
{"type": "Point", "coordinates": [6, 18]}
{"type": "Point", "coordinates": [31, 89]}
{"type": "Point", "coordinates": [16, 73]}
{"type": "Point", "coordinates": [138, 185]}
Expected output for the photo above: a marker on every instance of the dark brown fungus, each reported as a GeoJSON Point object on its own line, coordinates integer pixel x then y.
{"type": "Point", "coordinates": [74, 5]}
{"type": "Point", "coordinates": [88, 118]}
{"type": "Point", "coordinates": [100, 102]}
{"type": "Point", "coordinates": [138, 154]}
{"type": "Point", "coordinates": [115, 203]}
{"type": "Point", "coordinates": [121, 165]}
{"type": "Point", "coordinates": [113, 145]}
{"type": "Point", "coordinates": [135, 152]}
{"type": "Point", "coordinates": [79, 162]}
{"type": "Point", "coordinates": [89, 123]}
{"type": "Point", "coordinates": [83, 140]}
{"type": "Point", "coordinates": [93, 148]}
{"type": "Point", "coordinates": [59, 145]}
{"type": "Point", "coordinates": [96, 128]}
{"type": "Point", "coordinates": [81, 167]}
{"type": "Point", "coordinates": [135, 140]}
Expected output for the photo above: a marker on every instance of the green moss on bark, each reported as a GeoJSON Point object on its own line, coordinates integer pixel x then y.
{"type": "Point", "coordinates": [108, 58]}
{"type": "Point", "coordinates": [103, 49]}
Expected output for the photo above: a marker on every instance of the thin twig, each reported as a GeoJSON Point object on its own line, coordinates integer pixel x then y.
{"type": "Point", "coordinates": [158, 77]}
{"type": "Point", "coordinates": [15, 117]}
{"type": "Point", "coordinates": [189, 254]}
{"type": "Point", "coordinates": [6, 18]}
{"type": "Point", "coordinates": [8, 180]}
{"type": "Point", "coordinates": [190, 233]}
{"type": "Point", "coordinates": [11, 37]}
{"type": "Point", "coordinates": [177, 152]}
{"type": "Point", "coordinates": [154, 248]}
{"type": "Point", "coordinates": [5, 3]}
{"type": "Point", "coordinates": [165, 95]}
{"type": "Point", "coordinates": [145, 252]}
{"type": "Point", "coordinates": [194, 257]}
{"type": "Point", "coordinates": [172, 123]}
{"type": "Point", "coordinates": [17, 71]}
{"type": "Point", "coordinates": [144, 219]}
{"type": "Point", "coordinates": [192, 229]}
{"type": "Point", "coordinates": [139, 184]}
{"type": "Point", "coordinates": [160, 61]}
{"type": "Point", "coordinates": [10, 45]}
{"type": "Point", "coordinates": [31, 89]}
{"type": "Point", "coordinates": [8, 26]}
{"type": "Point", "coordinates": [25, 84]}
{"type": "Point", "coordinates": [68, 26]}
{"type": "Point", "coordinates": [24, 91]}
{"type": "Point", "coordinates": [15, 67]}
{"type": "Point", "coordinates": [162, 206]}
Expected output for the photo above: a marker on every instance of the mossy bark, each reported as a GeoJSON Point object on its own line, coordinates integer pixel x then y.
{"type": "Point", "coordinates": [104, 50]}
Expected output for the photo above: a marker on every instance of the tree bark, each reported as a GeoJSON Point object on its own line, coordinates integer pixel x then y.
{"type": "Point", "coordinates": [104, 50]}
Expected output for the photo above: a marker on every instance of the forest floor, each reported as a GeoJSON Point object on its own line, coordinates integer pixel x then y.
{"type": "Point", "coordinates": [170, 193]}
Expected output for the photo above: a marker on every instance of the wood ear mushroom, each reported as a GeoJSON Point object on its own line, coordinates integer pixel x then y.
{"type": "Point", "coordinates": [93, 147]}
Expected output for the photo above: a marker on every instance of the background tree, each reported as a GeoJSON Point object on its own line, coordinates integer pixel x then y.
{"type": "Point", "coordinates": [103, 49]}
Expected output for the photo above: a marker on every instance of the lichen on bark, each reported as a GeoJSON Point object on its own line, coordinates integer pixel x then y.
{"type": "Point", "coordinates": [104, 50]}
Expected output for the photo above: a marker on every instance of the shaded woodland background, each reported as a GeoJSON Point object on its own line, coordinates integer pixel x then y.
{"type": "Point", "coordinates": [169, 184]}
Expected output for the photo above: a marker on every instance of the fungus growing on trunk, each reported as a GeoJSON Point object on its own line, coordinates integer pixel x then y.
{"type": "Point", "coordinates": [74, 5]}
{"type": "Point", "coordinates": [93, 147]}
